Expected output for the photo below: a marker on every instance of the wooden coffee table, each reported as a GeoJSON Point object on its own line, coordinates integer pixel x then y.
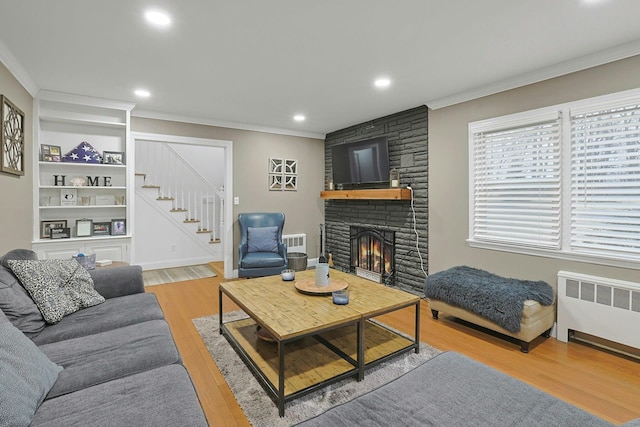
{"type": "Point", "coordinates": [315, 341]}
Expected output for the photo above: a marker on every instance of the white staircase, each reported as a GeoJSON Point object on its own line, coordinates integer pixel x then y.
{"type": "Point", "coordinates": [178, 192]}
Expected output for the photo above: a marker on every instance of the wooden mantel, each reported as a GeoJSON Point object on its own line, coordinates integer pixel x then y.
{"type": "Point", "coordinates": [370, 194]}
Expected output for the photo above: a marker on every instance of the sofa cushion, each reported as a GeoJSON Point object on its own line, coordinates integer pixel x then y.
{"type": "Point", "coordinates": [26, 375]}
{"type": "Point", "coordinates": [58, 287]}
{"type": "Point", "coordinates": [262, 239]}
{"type": "Point", "coordinates": [106, 356]}
{"type": "Point", "coordinates": [161, 397]}
{"type": "Point", "coordinates": [112, 314]}
{"type": "Point", "coordinates": [453, 390]}
{"type": "Point", "coordinates": [15, 301]}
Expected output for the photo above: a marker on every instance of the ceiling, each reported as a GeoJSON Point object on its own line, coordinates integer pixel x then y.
{"type": "Point", "coordinates": [255, 64]}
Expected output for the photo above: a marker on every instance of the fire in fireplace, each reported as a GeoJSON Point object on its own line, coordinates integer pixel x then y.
{"type": "Point", "coordinates": [373, 250]}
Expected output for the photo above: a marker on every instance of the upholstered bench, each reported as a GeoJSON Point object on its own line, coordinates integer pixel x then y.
{"type": "Point", "coordinates": [520, 309]}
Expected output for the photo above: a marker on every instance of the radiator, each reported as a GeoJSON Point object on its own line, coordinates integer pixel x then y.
{"type": "Point", "coordinates": [606, 308]}
{"type": "Point", "coordinates": [296, 242]}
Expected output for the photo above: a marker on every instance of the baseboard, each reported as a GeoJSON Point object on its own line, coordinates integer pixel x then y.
{"type": "Point", "coordinates": [174, 263]}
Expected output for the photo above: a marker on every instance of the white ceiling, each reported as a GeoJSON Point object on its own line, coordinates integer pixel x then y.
{"type": "Point", "coordinates": [254, 64]}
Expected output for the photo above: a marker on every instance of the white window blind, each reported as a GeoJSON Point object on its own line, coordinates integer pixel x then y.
{"type": "Point", "coordinates": [516, 182]}
{"type": "Point", "coordinates": [605, 180]}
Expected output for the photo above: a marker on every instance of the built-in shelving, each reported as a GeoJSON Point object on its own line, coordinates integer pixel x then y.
{"type": "Point", "coordinates": [65, 121]}
{"type": "Point", "coordinates": [368, 194]}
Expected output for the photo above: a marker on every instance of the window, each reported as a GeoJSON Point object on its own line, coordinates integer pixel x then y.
{"type": "Point", "coordinates": [562, 181]}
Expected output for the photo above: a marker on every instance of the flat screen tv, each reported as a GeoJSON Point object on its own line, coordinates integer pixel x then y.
{"type": "Point", "coordinates": [361, 162]}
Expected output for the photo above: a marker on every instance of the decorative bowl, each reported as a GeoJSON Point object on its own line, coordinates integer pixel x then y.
{"type": "Point", "coordinates": [288, 275]}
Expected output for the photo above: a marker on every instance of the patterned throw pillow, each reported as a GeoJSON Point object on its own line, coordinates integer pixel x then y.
{"type": "Point", "coordinates": [58, 287]}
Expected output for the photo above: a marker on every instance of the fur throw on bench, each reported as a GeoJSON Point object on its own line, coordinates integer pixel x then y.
{"type": "Point", "coordinates": [496, 298]}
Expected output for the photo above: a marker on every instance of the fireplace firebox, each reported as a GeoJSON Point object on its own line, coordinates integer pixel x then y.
{"type": "Point", "coordinates": [373, 250]}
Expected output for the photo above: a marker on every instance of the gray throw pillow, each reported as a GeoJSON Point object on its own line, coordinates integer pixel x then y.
{"type": "Point", "coordinates": [26, 375]}
{"type": "Point", "coordinates": [58, 287]}
{"type": "Point", "coordinates": [15, 301]}
{"type": "Point", "coordinates": [262, 239]}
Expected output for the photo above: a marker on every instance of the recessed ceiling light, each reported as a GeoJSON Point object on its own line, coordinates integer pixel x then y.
{"type": "Point", "coordinates": [382, 82]}
{"type": "Point", "coordinates": [158, 18]}
{"type": "Point", "coordinates": [142, 93]}
{"type": "Point", "coordinates": [299, 118]}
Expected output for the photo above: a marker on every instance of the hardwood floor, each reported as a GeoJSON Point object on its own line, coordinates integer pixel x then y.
{"type": "Point", "coordinates": [604, 384]}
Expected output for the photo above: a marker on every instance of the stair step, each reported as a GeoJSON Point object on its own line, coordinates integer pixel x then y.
{"type": "Point", "coordinates": [189, 221]}
{"type": "Point", "coordinates": [202, 231]}
{"type": "Point", "coordinates": [141, 174]}
{"type": "Point", "coordinates": [212, 241]}
{"type": "Point", "coordinates": [150, 186]}
{"type": "Point", "coordinates": [178, 210]}
{"type": "Point", "coordinates": [165, 198]}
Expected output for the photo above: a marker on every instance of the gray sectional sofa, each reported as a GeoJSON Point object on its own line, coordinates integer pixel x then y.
{"type": "Point", "coordinates": [110, 364]}
{"type": "Point", "coordinates": [452, 390]}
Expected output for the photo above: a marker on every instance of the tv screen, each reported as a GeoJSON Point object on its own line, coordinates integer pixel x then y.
{"type": "Point", "coordinates": [361, 162]}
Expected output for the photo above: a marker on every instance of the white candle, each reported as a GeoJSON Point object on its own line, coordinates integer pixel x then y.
{"type": "Point", "coordinates": [394, 183]}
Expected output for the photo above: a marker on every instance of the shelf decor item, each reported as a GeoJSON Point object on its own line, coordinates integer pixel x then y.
{"type": "Point", "coordinates": [50, 153]}
{"type": "Point", "coordinates": [12, 144]}
{"type": "Point", "coordinates": [118, 227]}
{"type": "Point", "coordinates": [83, 153]}
{"type": "Point", "coordinates": [101, 228]}
{"type": "Point", "coordinates": [68, 197]}
{"type": "Point", "coordinates": [394, 178]}
{"type": "Point", "coordinates": [84, 227]}
{"type": "Point", "coordinates": [46, 226]}
{"type": "Point", "coordinates": [113, 157]}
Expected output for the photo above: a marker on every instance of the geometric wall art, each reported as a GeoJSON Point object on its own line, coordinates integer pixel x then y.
{"type": "Point", "coordinates": [12, 138]}
{"type": "Point", "coordinates": [283, 174]}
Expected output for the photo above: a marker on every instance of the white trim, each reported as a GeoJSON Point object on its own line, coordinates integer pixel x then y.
{"type": "Point", "coordinates": [227, 233]}
{"type": "Point", "coordinates": [566, 67]}
{"type": "Point", "coordinates": [590, 259]}
{"type": "Point", "coordinates": [219, 123]}
{"type": "Point", "coordinates": [70, 98]}
{"type": "Point", "coordinates": [17, 70]}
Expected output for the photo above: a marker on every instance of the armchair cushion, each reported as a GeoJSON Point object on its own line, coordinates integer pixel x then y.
{"type": "Point", "coordinates": [262, 239]}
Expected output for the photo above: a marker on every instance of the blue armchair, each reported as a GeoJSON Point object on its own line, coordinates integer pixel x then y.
{"type": "Point", "coordinates": [261, 251]}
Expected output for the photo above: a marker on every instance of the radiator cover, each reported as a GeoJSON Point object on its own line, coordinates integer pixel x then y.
{"type": "Point", "coordinates": [599, 306]}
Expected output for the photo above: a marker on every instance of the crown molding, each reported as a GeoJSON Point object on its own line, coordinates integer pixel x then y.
{"type": "Point", "coordinates": [231, 125]}
{"type": "Point", "coordinates": [566, 67]}
{"type": "Point", "coordinates": [18, 71]}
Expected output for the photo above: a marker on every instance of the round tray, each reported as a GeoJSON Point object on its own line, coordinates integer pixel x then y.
{"type": "Point", "coordinates": [308, 286]}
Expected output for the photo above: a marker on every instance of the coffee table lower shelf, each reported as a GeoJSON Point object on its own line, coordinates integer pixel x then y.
{"type": "Point", "coordinates": [315, 361]}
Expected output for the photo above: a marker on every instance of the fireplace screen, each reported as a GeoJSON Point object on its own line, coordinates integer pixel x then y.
{"type": "Point", "coordinates": [373, 250]}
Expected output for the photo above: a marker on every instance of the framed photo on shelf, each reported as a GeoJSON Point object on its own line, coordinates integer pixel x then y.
{"type": "Point", "coordinates": [118, 227]}
{"type": "Point", "coordinates": [84, 227]}
{"type": "Point", "coordinates": [69, 197]}
{"type": "Point", "coordinates": [113, 157]}
{"type": "Point", "coordinates": [101, 228]}
{"type": "Point", "coordinates": [60, 233]}
{"type": "Point", "coordinates": [49, 153]}
{"type": "Point", "coordinates": [46, 226]}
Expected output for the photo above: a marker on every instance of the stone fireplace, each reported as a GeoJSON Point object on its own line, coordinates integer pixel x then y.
{"type": "Point", "coordinates": [373, 250]}
{"type": "Point", "coordinates": [407, 133]}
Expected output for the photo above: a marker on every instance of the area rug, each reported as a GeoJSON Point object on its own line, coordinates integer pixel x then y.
{"type": "Point", "coordinates": [177, 274]}
{"type": "Point", "coordinates": [261, 410]}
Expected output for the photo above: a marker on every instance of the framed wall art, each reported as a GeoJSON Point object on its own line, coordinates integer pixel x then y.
{"type": "Point", "coordinates": [283, 174]}
{"type": "Point", "coordinates": [12, 148]}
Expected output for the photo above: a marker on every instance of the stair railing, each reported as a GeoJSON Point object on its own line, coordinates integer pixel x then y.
{"type": "Point", "coordinates": [179, 181]}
